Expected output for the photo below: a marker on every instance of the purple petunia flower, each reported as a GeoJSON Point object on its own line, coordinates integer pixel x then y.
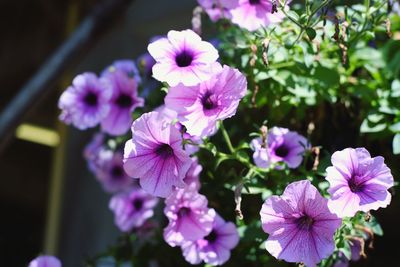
{"type": "Point", "coordinates": [189, 217]}
{"type": "Point", "coordinates": [123, 102]}
{"type": "Point", "coordinates": [283, 146]}
{"type": "Point", "coordinates": [85, 103]}
{"type": "Point", "coordinates": [215, 248]}
{"type": "Point", "coordinates": [356, 251]}
{"type": "Point", "coordinates": [193, 174]}
{"type": "Point", "coordinates": [358, 182]}
{"type": "Point", "coordinates": [155, 155]}
{"type": "Point", "coordinates": [183, 57]}
{"type": "Point", "coordinates": [132, 208]}
{"type": "Point", "coordinates": [260, 155]}
{"type": "Point", "coordinates": [45, 261]}
{"type": "Point", "coordinates": [254, 14]}
{"type": "Point", "coordinates": [146, 63]}
{"type": "Point", "coordinates": [299, 224]}
{"type": "Point", "coordinates": [110, 172]}
{"type": "Point", "coordinates": [200, 107]}
{"type": "Point", "coordinates": [127, 66]}
{"type": "Point", "coordinates": [192, 146]}
{"type": "Point", "coordinates": [92, 150]}
{"type": "Point", "coordinates": [218, 9]}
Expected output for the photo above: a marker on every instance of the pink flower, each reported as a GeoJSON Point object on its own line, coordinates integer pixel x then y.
{"type": "Point", "coordinates": [193, 174]}
{"type": "Point", "coordinates": [93, 149]}
{"type": "Point", "coordinates": [110, 172]}
{"type": "Point", "coordinates": [127, 66]}
{"type": "Point", "coordinates": [282, 146]}
{"type": "Point", "coordinates": [299, 224]}
{"type": "Point", "coordinates": [170, 115]}
{"type": "Point", "coordinates": [123, 102]}
{"type": "Point", "coordinates": [85, 103]}
{"type": "Point", "coordinates": [215, 248]}
{"type": "Point", "coordinates": [189, 217]}
{"type": "Point", "coordinates": [254, 14]}
{"type": "Point", "coordinates": [45, 261]}
{"type": "Point", "coordinates": [218, 9]}
{"type": "Point", "coordinates": [155, 155]}
{"type": "Point", "coordinates": [260, 155]}
{"type": "Point", "coordinates": [183, 57]}
{"type": "Point", "coordinates": [132, 208]}
{"type": "Point", "coordinates": [358, 182]}
{"type": "Point", "coordinates": [200, 107]}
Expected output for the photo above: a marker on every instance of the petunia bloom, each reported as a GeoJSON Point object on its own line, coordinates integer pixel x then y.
{"type": "Point", "coordinates": [110, 172]}
{"type": "Point", "coordinates": [299, 224]}
{"type": "Point", "coordinates": [192, 143]}
{"type": "Point", "coordinates": [356, 248]}
{"type": "Point", "coordinates": [92, 150]}
{"type": "Point", "coordinates": [45, 261]}
{"type": "Point", "coordinates": [127, 66]}
{"type": "Point", "coordinates": [123, 102]}
{"type": "Point", "coordinates": [189, 217]}
{"type": "Point", "coordinates": [155, 155]}
{"type": "Point", "coordinates": [132, 208]}
{"type": "Point", "coordinates": [215, 248]}
{"type": "Point", "coordinates": [183, 57]}
{"type": "Point", "coordinates": [358, 182]}
{"type": "Point", "coordinates": [85, 103]}
{"type": "Point", "coordinates": [200, 107]}
{"type": "Point", "coordinates": [254, 14]}
{"type": "Point", "coordinates": [218, 9]}
{"type": "Point", "coordinates": [285, 146]}
{"type": "Point", "coordinates": [193, 174]}
{"type": "Point", "coordinates": [260, 155]}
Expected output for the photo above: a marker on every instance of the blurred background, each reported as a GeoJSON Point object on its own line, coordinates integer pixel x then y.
{"type": "Point", "coordinates": [50, 202]}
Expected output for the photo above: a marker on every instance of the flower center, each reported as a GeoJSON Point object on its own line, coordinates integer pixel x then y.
{"type": "Point", "coordinates": [138, 204]}
{"type": "Point", "coordinates": [124, 101]}
{"type": "Point", "coordinates": [183, 212]}
{"type": "Point", "coordinates": [212, 237]}
{"type": "Point", "coordinates": [117, 172]}
{"type": "Point", "coordinates": [305, 222]}
{"type": "Point", "coordinates": [90, 99]}
{"type": "Point", "coordinates": [207, 101]}
{"type": "Point", "coordinates": [131, 74]}
{"type": "Point", "coordinates": [354, 185]}
{"type": "Point", "coordinates": [254, 2]}
{"type": "Point", "coordinates": [184, 59]}
{"type": "Point", "coordinates": [282, 151]}
{"type": "Point", "coordinates": [164, 151]}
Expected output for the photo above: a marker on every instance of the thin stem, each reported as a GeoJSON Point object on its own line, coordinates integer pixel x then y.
{"type": "Point", "coordinates": [226, 138]}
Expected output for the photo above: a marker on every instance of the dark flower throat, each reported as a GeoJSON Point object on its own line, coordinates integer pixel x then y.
{"type": "Point", "coordinates": [212, 237]}
{"type": "Point", "coordinates": [282, 151]}
{"type": "Point", "coordinates": [138, 204]}
{"type": "Point", "coordinates": [124, 101]}
{"type": "Point", "coordinates": [305, 222]}
{"type": "Point", "coordinates": [164, 151]}
{"type": "Point", "coordinates": [90, 99]}
{"type": "Point", "coordinates": [184, 59]}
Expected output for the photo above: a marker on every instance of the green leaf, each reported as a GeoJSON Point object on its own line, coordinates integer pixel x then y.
{"type": "Point", "coordinates": [375, 226]}
{"type": "Point", "coordinates": [395, 127]}
{"type": "Point", "coordinates": [311, 33]}
{"type": "Point", "coordinates": [221, 158]}
{"type": "Point", "coordinates": [395, 88]}
{"type": "Point", "coordinates": [346, 250]}
{"type": "Point", "coordinates": [211, 147]}
{"type": "Point", "coordinates": [396, 144]}
{"type": "Point", "coordinates": [373, 123]}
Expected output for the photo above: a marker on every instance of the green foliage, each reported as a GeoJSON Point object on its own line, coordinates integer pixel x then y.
{"type": "Point", "coordinates": [338, 72]}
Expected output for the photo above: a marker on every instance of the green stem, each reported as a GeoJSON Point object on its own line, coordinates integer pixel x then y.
{"type": "Point", "coordinates": [226, 138]}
